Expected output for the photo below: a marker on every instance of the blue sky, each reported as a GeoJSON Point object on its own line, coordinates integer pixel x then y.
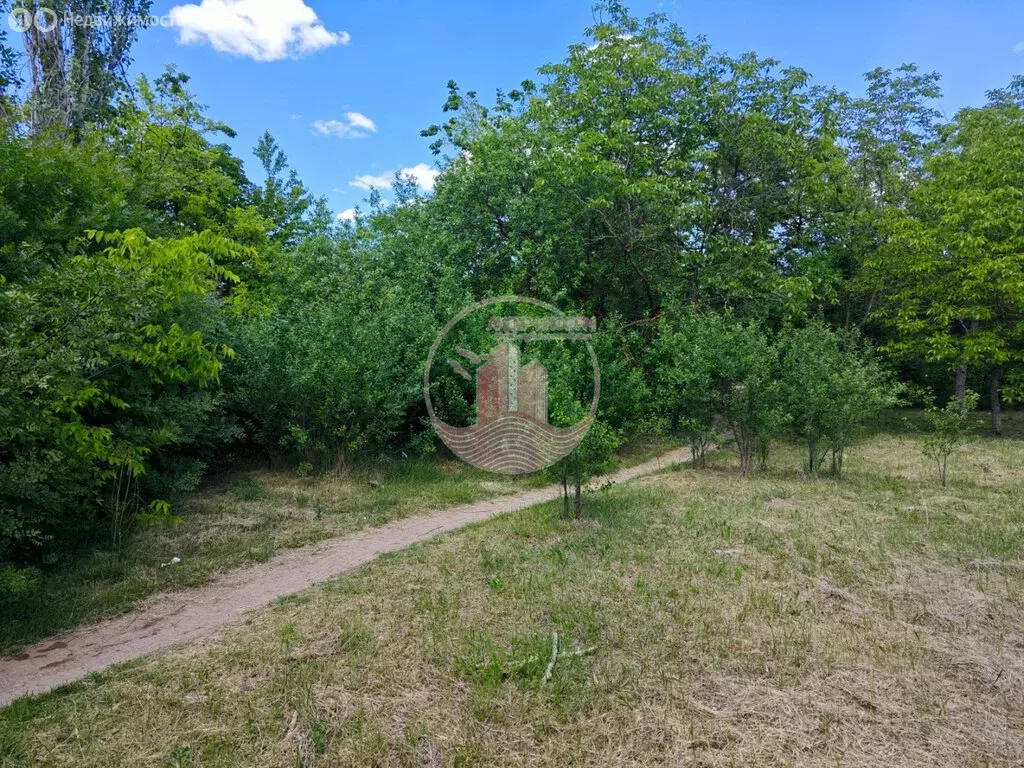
{"type": "Point", "coordinates": [347, 86]}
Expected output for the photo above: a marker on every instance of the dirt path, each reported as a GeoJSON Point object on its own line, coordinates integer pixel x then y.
{"type": "Point", "coordinates": [168, 619]}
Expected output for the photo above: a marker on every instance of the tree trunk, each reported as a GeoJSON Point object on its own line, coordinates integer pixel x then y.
{"type": "Point", "coordinates": [744, 446]}
{"type": "Point", "coordinates": [961, 372]}
{"type": "Point", "coordinates": [960, 388]}
{"type": "Point", "coordinates": [997, 405]}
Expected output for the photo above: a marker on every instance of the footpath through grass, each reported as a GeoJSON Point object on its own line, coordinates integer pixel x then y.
{"type": "Point", "coordinates": [877, 620]}
{"type": "Point", "coordinates": [244, 518]}
{"type": "Point", "coordinates": [241, 519]}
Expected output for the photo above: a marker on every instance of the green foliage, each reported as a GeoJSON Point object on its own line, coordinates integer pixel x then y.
{"type": "Point", "coordinates": [685, 365]}
{"type": "Point", "coordinates": [177, 174]}
{"type": "Point", "coordinates": [831, 385]}
{"type": "Point", "coordinates": [947, 429]}
{"type": "Point", "coordinates": [333, 363]}
{"type": "Point", "coordinates": [593, 456]}
{"type": "Point", "coordinates": [625, 394]}
{"type": "Point", "coordinates": [51, 191]}
{"type": "Point", "coordinates": [283, 199]}
{"type": "Point", "coordinates": [105, 360]}
{"type": "Point", "coordinates": [888, 132]}
{"type": "Point", "coordinates": [79, 70]}
{"type": "Point", "coordinates": [951, 271]}
{"type": "Point", "coordinates": [570, 379]}
{"type": "Point", "coordinates": [713, 372]}
{"type": "Point", "coordinates": [647, 174]}
{"type": "Point", "coordinates": [751, 396]}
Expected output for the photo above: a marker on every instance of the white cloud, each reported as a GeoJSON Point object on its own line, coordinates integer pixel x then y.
{"type": "Point", "coordinates": [421, 173]}
{"type": "Point", "coordinates": [368, 182]}
{"type": "Point", "coordinates": [349, 214]}
{"type": "Point", "coordinates": [355, 126]}
{"type": "Point", "coordinates": [358, 120]}
{"type": "Point", "coordinates": [1019, 48]}
{"type": "Point", "coordinates": [264, 30]}
{"type": "Point", "coordinates": [424, 175]}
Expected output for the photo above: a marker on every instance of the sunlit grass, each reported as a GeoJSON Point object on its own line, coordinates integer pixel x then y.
{"type": "Point", "coordinates": [246, 517]}
{"type": "Point", "coordinates": [875, 619]}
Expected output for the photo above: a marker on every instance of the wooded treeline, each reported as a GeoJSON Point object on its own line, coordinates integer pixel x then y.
{"type": "Point", "coordinates": [746, 238]}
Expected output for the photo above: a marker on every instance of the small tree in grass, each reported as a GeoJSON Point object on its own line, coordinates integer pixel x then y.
{"type": "Point", "coordinates": [569, 392]}
{"type": "Point", "coordinates": [947, 429]}
{"type": "Point", "coordinates": [863, 387]}
{"type": "Point", "coordinates": [749, 396]}
{"type": "Point", "coordinates": [594, 455]}
{"type": "Point", "coordinates": [832, 385]}
{"type": "Point", "coordinates": [710, 366]}
{"type": "Point", "coordinates": [685, 380]}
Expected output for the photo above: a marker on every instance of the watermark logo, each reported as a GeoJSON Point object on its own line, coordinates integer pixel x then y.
{"type": "Point", "coordinates": [47, 19]}
{"type": "Point", "coordinates": [20, 20]}
{"type": "Point", "coordinates": [512, 433]}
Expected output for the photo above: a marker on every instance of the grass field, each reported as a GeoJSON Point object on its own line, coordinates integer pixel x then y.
{"type": "Point", "coordinates": [246, 517]}
{"type": "Point", "coordinates": [875, 620]}
{"type": "Point", "coordinates": [238, 520]}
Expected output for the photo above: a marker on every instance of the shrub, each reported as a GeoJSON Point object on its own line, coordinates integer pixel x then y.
{"type": "Point", "coordinates": [831, 385]}
{"type": "Point", "coordinates": [570, 390]}
{"type": "Point", "coordinates": [333, 364]}
{"type": "Point", "coordinates": [685, 375]}
{"type": "Point", "coordinates": [594, 455]}
{"type": "Point", "coordinates": [710, 367]}
{"type": "Point", "coordinates": [106, 359]}
{"type": "Point", "coordinates": [749, 396]}
{"type": "Point", "coordinates": [947, 429]}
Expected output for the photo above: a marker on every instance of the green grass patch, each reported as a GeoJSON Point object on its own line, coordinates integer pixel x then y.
{"type": "Point", "coordinates": [704, 619]}
{"type": "Point", "coordinates": [244, 519]}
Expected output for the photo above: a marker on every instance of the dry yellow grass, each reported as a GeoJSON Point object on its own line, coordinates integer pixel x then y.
{"type": "Point", "coordinates": [774, 620]}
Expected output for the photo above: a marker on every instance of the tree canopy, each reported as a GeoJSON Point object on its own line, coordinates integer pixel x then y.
{"type": "Point", "coordinates": [746, 238]}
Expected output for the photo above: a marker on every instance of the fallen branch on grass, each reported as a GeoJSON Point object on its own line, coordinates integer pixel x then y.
{"type": "Point", "coordinates": [508, 666]}
{"type": "Point", "coordinates": [554, 658]}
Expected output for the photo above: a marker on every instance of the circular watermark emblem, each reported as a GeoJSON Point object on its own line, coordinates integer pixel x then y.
{"type": "Point", "coordinates": [45, 19]}
{"type": "Point", "coordinates": [20, 19]}
{"type": "Point", "coordinates": [523, 349]}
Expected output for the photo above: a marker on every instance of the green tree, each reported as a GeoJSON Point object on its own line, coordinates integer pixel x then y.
{"type": "Point", "coordinates": [887, 133]}
{"type": "Point", "coordinates": [685, 379]}
{"type": "Point", "coordinates": [105, 358]}
{"type": "Point", "coordinates": [750, 395]}
{"type": "Point", "coordinates": [594, 455]}
{"type": "Point", "coordinates": [283, 199]}
{"type": "Point", "coordinates": [831, 385]}
{"type": "Point", "coordinates": [79, 70]}
{"type": "Point", "coordinates": [330, 359]}
{"type": "Point", "coordinates": [51, 192]}
{"type": "Point", "coordinates": [952, 273]}
{"type": "Point", "coordinates": [183, 180]}
{"type": "Point", "coordinates": [648, 173]}
{"type": "Point", "coordinates": [712, 370]}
